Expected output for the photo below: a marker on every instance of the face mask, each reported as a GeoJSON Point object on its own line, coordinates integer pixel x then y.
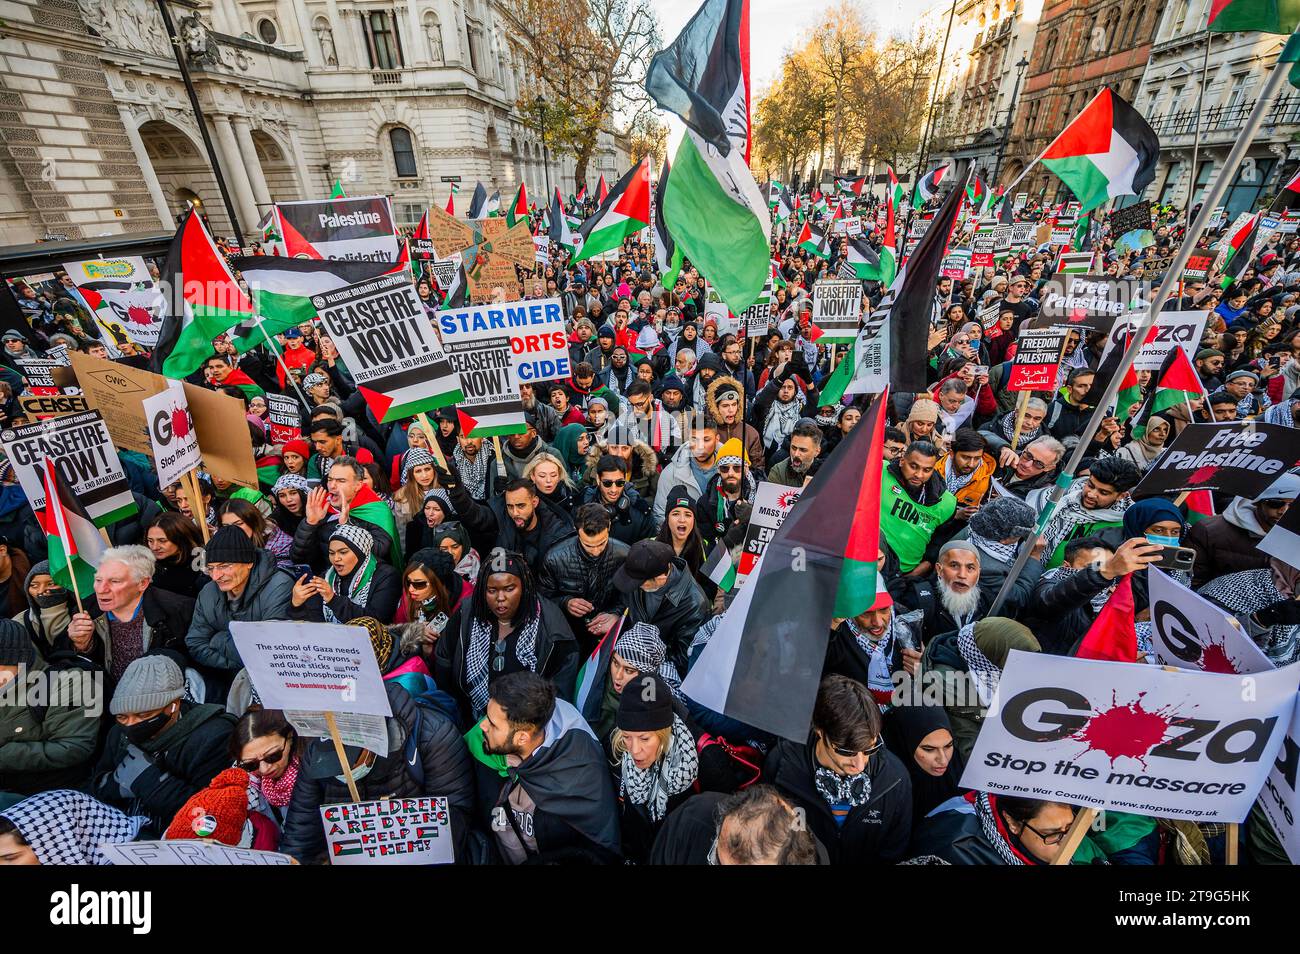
{"type": "Point", "coordinates": [1163, 541]}
{"type": "Point", "coordinates": [51, 598]}
{"type": "Point", "coordinates": [142, 732]}
{"type": "Point", "coordinates": [357, 774]}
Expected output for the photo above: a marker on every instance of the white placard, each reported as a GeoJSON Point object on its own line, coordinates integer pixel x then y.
{"type": "Point", "coordinates": [171, 433]}
{"type": "Point", "coordinates": [188, 853]}
{"type": "Point", "coordinates": [389, 831]}
{"type": "Point", "coordinates": [1190, 632]}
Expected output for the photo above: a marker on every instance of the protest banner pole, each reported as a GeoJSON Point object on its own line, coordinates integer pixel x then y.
{"type": "Point", "coordinates": [196, 504]}
{"type": "Point", "coordinates": [343, 756]}
{"type": "Point", "coordinates": [1022, 405]}
{"type": "Point", "coordinates": [1074, 837]}
{"type": "Point", "coordinates": [284, 368]}
{"type": "Point", "coordinates": [1213, 196]}
{"type": "Point", "coordinates": [1230, 843]}
{"type": "Point", "coordinates": [434, 447]}
{"type": "Point", "coordinates": [500, 454]}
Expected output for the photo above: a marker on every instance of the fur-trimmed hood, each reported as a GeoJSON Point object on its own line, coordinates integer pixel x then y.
{"type": "Point", "coordinates": [723, 382]}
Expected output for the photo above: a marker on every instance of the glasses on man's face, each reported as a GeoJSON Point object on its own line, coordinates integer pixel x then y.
{"type": "Point", "coordinates": [1032, 461]}
{"type": "Point", "coordinates": [612, 483]}
{"type": "Point", "coordinates": [846, 753]}
{"type": "Point", "coordinates": [270, 758]}
{"type": "Point", "coordinates": [1049, 837]}
{"type": "Point", "coordinates": [729, 469]}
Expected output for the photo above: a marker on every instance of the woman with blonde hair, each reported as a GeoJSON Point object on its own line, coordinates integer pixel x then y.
{"type": "Point", "coordinates": [551, 478]}
{"type": "Point", "coordinates": [417, 479]}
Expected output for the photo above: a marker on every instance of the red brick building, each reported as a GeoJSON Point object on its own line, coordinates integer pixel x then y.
{"type": "Point", "coordinates": [1081, 46]}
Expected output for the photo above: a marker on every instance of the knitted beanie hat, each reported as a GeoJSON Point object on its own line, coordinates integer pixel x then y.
{"type": "Point", "coordinates": [645, 705]}
{"type": "Point", "coordinates": [230, 545]}
{"type": "Point", "coordinates": [16, 647]}
{"type": "Point", "coordinates": [219, 812]}
{"type": "Point", "coordinates": [149, 683]}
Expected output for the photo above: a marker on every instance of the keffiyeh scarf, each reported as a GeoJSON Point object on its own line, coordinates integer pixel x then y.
{"type": "Point", "coordinates": [415, 457]}
{"type": "Point", "coordinates": [993, 831]}
{"type": "Point", "coordinates": [671, 775]}
{"type": "Point", "coordinates": [359, 586]}
{"type": "Point", "coordinates": [1244, 593]}
{"type": "Point", "coordinates": [880, 654]}
{"type": "Point", "coordinates": [837, 788]}
{"type": "Point", "coordinates": [955, 481]}
{"type": "Point", "coordinates": [279, 791]}
{"type": "Point", "coordinates": [1280, 414]}
{"type": "Point", "coordinates": [1008, 428]}
{"type": "Point", "coordinates": [781, 419]}
{"type": "Point", "coordinates": [482, 636]}
{"type": "Point", "coordinates": [982, 669]}
{"type": "Point", "coordinates": [64, 827]}
{"type": "Point", "coordinates": [1003, 552]}
{"type": "Point", "coordinates": [473, 473]}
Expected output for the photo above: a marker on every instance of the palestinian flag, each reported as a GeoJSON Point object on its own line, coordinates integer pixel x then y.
{"type": "Point", "coordinates": [493, 420]}
{"type": "Point", "coordinates": [785, 206]}
{"type": "Point", "coordinates": [976, 193]}
{"type": "Point", "coordinates": [456, 295]}
{"type": "Point", "coordinates": [928, 186]}
{"type": "Point", "coordinates": [238, 379]}
{"type": "Point", "coordinates": [337, 192]}
{"type": "Point", "coordinates": [668, 257]}
{"type": "Point", "coordinates": [713, 206]}
{"type": "Point", "coordinates": [862, 260]}
{"type": "Point", "coordinates": [1006, 208]}
{"type": "Point", "coordinates": [852, 186]}
{"type": "Point", "coordinates": [720, 567]}
{"type": "Point", "coordinates": [815, 240]}
{"type": "Point", "coordinates": [1113, 634]}
{"type": "Point", "coordinates": [1291, 54]}
{"type": "Point", "coordinates": [451, 200]}
{"type": "Point", "coordinates": [1106, 151]}
{"type": "Point", "coordinates": [581, 196]}
{"type": "Point", "coordinates": [1130, 393]}
{"type": "Point", "coordinates": [518, 210]}
{"type": "Point", "coordinates": [623, 212]}
{"type": "Point", "coordinates": [367, 506]}
{"type": "Point", "coordinates": [203, 301]}
{"type": "Point", "coordinates": [477, 204]}
{"type": "Point", "coordinates": [764, 662]}
{"type": "Point", "coordinates": [1241, 247]}
{"type": "Point", "coordinates": [295, 244]}
{"type": "Point", "coordinates": [1266, 16]}
{"type": "Point", "coordinates": [819, 204]}
{"type": "Point", "coordinates": [1288, 196]}
{"type": "Point", "coordinates": [602, 190]}
{"type": "Point", "coordinates": [282, 289]}
{"type": "Point", "coordinates": [74, 544]}
{"type": "Point", "coordinates": [589, 682]}
{"type": "Point", "coordinates": [834, 386]}
{"type": "Point", "coordinates": [778, 281]}
{"type": "Point", "coordinates": [1200, 505]}
{"type": "Point", "coordinates": [560, 233]}
{"type": "Point", "coordinates": [1175, 383]}
{"type": "Point", "coordinates": [494, 204]}
{"type": "Point", "coordinates": [896, 191]}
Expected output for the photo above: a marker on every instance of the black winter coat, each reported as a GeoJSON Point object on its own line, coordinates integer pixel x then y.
{"type": "Point", "coordinates": [488, 526]}
{"type": "Point", "coordinates": [175, 764]}
{"type": "Point", "coordinates": [874, 833]}
{"type": "Point", "coordinates": [957, 837]}
{"type": "Point", "coordinates": [1222, 548]}
{"type": "Point", "coordinates": [632, 518]}
{"type": "Point", "coordinates": [132, 529]}
{"type": "Point", "coordinates": [1060, 611]}
{"type": "Point", "coordinates": [381, 601]}
{"type": "Point", "coordinates": [447, 773]}
{"type": "Point", "coordinates": [568, 573]}
{"type": "Point", "coordinates": [311, 542]}
{"type": "Point", "coordinates": [681, 611]}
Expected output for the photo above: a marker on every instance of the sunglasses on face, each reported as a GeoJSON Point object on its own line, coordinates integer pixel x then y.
{"type": "Point", "coordinates": [846, 753]}
{"type": "Point", "coordinates": [729, 469]}
{"type": "Point", "coordinates": [417, 584]}
{"type": "Point", "coordinates": [270, 758]}
{"type": "Point", "coordinates": [612, 483]}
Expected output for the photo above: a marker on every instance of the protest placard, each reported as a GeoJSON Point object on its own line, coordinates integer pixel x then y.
{"type": "Point", "coordinates": [1038, 353]}
{"type": "Point", "coordinates": [1022, 234]}
{"type": "Point", "coordinates": [1190, 632]}
{"type": "Point", "coordinates": [1021, 199]}
{"type": "Point", "coordinates": [853, 226]}
{"type": "Point", "coordinates": [538, 339]}
{"type": "Point", "coordinates": [772, 504]}
{"type": "Point", "coordinates": [1136, 217]}
{"type": "Point", "coordinates": [837, 308]}
{"type": "Point", "coordinates": [488, 380]}
{"type": "Point", "coordinates": [117, 392]}
{"type": "Point", "coordinates": [83, 452]}
{"type": "Point", "coordinates": [380, 329]}
{"type": "Point", "coordinates": [871, 352]}
{"type": "Point", "coordinates": [988, 316]}
{"type": "Point", "coordinates": [982, 246]}
{"type": "Point", "coordinates": [1233, 457]}
{"type": "Point", "coordinates": [1062, 231]}
{"type": "Point", "coordinates": [756, 318]}
{"type": "Point", "coordinates": [188, 853]}
{"type": "Point", "coordinates": [389, 831]}
{"type": "Point", "coordinates": [1086, 301]}
{"type": "Point", "coordinates": [444, 271]}
{"type": "Point", "coordinates": [1133, 738]}
{"type": "Point", "coordinates": [1002, 240]}
{"type": "Point", "coordinates": [956, 264]}
{"type": "Point", "coordinates": [542, 244]}
{"type": "Point", "coordinates": [285, 417]}
{"type": "Point", "coordinates": [354, 728]}
{"type": "Point", "coordinates": [175, 442]}
{"type": "Point", "coordinates": [1074, 263]}
{"type": "Point", "coordinates": [1278, 800]}
{"type": "Point", "coordinates": [1197, 268]}
{"type": "Point", "coordinates": [122, 296]}
{"type": "Point", "coordinates": [357, 228]}
{"type": "Point", "coordinates": [1172, 328]}
{"type": "Point", "coordinates": [1283, 538]}
{"type": "Point", "coordinates": [39, 373]}
{"type": "Point", "coordinates": [53, 405]}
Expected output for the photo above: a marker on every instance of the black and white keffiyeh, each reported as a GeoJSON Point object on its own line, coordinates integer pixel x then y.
{"type": "Point", "coordinates": [415, 457]}
{"type": "Point", "coordinates": [64, 827]}
{"type": "Point", "coordinates": [291, 482]}
{"type": "Point", "coordinates": [482, 635]}
{"type": "Point", "coordinates": [838, 789]}
{"type": "Point", "coordinates": [1002, 552]}
{"type": "Point", "coordinates": [880, 654]}
{"type": "Point", "coordinates": [1008, 428]}
{"type": "Point", "coordinates": [984, 672]}
{"type": "Point", "coordinates": [641, 648]}
{"type": "Point", "coordinates": [953, 480]}
{"type": "Point", "coordinates": [473, 473]}
{"type": "Point", "coordinates": [989, 824]}
{"type": "Point", "coordinates": [671, 775]}
{"type": "Point", "coordinates": [1248, 591]}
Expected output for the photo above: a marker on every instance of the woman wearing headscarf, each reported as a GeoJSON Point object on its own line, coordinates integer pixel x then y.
{"type": "Point", "coordinates": [289, 493]}
{"type": "Point", "coordinates": [921, 736]}
{"type": "Point", "coordinates": [356, 584]}
{"type": "Point", "coordinates": [63, 827]}
{"type": "Point", "coordinates": [658, 766]}
{"type": "Point", "coordinates": [1229, 542]}
{"type": "Point", "coordinates": [572, 442]}
{"type": "Point", "coordinates": [453, 539]}
{"type": "Point", "coordinates": [778, 408]}
{"type": "Point", "coordinates": [1163, 524]}
{"type": "Point", "coordinates": [418, 477]}
{"type": "Point", "coordinates": [981, 649]}
{"type": "Point", "coordinates": [508, 627]}
{"type": "Point", "coordinates": [979, 828]}
{"type": "Point", "coordinates": [1144, 450]}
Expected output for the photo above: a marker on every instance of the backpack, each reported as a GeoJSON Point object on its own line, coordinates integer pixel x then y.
{"type": "Point", "coordinates": [431, 697]}
{"type": "Point", "coordinates": [727, 766]}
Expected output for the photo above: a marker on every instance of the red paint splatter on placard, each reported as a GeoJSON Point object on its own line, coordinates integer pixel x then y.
{"type": "Point", "coordinates": [180, 422]}
{"type": "Point", "coordinates": [1215, 658]}
{"type": "Point", "coordinates": [139, 315]}
{"type": "Point", "coordinates": [1125, 731]}
{"type": "Point", "coordinates": [1202, 474]}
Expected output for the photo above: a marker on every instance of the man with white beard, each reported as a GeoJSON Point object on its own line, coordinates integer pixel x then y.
{"type": "Point", "coordinates": [953, 596]}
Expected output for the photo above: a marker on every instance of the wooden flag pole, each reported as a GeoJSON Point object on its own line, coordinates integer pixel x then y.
{"type": "Point", "coordinates": [1230, 846]}
{"type": "Point", "coordinates": [1074, 837]}
{"type": "Point", "coordinates": [501, 463]}
{"type": "Point", "coordinates": [195, 495]}
{"type": "Point", "coordinates": [434, 447]}
{"type": "Point", "coordinates": [343, 756]}
{"type": "Point", "coordinates": [1022, 405]}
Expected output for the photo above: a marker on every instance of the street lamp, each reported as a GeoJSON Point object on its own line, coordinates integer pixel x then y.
{"type": "Point", "coordinates": [1006, 127]}
{"type": "Point", "coordinates": [540, 105]}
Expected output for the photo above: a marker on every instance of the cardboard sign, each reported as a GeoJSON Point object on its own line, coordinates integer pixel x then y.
{"type": "Point", "coordinates": [285, 417]}
{"type": "Point", "coordinates": [1038, 352]}
{"type": "Point", "coordinates": [359, 229]}
{"type": "Point", "coordinates": [772, 504]}
{"type": "Point", "coordinates": [1133, 218]}
{"type": "Point", "coordinates": [382, 333]}
{"type": "Point", "coordinates": [1085, 301]}
{"type": "Point", "coordinates": [53, 405]}
{"type": "Point", "coordinates": [1132, 738]}
{"type": "Point", "coordinates": [1197, 268]}
{"type": "Point", "coordinates": [1172, 328]}
{"type": "Point", "coordinates": [542, 244]}
{"type": "Point", "coordinates": [1278, 799]}
{"type": "Point", "coordinates": [188, 853]}
{"type": "Point", "coordinates": [118, 391]}
{"type": "Point", "coordinates": [1190, 632]}
{"type": "Point", "coordinates": [538, 339]}
{"type": "Point", "coordinates": [83, 453]}
{"type": "Point", "coordinates": [837, 308]}
{"type": "Point", "coordinates": [389, 831]}
{"type": "Point", "coordinates": [174, 440]}
{"type": "Point", "coordinates": [1234, 457]}
{"type": "Point", "coordinates": [125, 301]}
{"type": "Point", "coordinates": [314, 666]}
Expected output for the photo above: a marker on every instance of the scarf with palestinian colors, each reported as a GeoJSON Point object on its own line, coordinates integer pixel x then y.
{"type": "Point", "coordinates": [361, 543]}
{"type": "Point", "coordinates": [367, 506]}
{"type": "Point", "coordinates": [238, 379]}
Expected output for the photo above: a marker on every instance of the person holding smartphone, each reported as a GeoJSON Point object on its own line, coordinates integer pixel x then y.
{"type": "Point", "coordinates": [1163, 524]}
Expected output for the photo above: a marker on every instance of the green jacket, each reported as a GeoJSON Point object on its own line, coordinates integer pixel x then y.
{"type": "Point", "coordinates": [49, 746]}
{"type": "Point", "coordinates": [908, 525]}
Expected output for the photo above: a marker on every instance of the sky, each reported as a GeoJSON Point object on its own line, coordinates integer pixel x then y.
{"type": "Point", "coordinates": [775, 25]}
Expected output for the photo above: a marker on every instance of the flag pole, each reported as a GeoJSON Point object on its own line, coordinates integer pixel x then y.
{"type": "Point", "coordinates": [270, 343]}
{"type": "Point", "coordinates": [1196, 133]}
{"type": "Point", "coordinates": [1214, 194]}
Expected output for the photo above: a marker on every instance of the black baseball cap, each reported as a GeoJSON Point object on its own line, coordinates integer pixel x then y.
{"type": "Point", "coordinates": [646, 559]}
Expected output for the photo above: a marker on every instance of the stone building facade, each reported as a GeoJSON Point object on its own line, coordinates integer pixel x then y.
{"type": "Point", "coordinates": [396, 97]}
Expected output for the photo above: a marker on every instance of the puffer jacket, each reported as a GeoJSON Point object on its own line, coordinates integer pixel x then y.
{"type": "Point", "coordinates": [645, 467]}
{"type": "Point", "coordinates": [679, 472]}
{"type": "Point", "coordinates": [266, 596]}
{"type": "Point", "coordinates": [1222, 548]}
{"type": "Point", "coordinates": [631, 518]}
{"type": "Point", "coordinates": [49, 746]}
{"type": "Point", "coordinates": [490, 526]}
{"type": "Point", "coordinates": [447, 773]}
{"type": "Point", "coordinates": [567, 572]}
{"type": "Point", "coordinates": [682, 609]}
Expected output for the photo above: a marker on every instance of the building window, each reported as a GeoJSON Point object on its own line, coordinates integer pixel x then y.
{"type": "Point", "coordinates": [382, 41]}
{"type": "Point", "coordinates": [1243, 195]}
{"type": "Point", "coordinates": [403, 152]}
{"type": "Point", "coordinates": [267, 31]}
{"type": "Point", "coordinates": [1171, 182]}
{"type": "Point", "coordinates": [1049, 52]}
